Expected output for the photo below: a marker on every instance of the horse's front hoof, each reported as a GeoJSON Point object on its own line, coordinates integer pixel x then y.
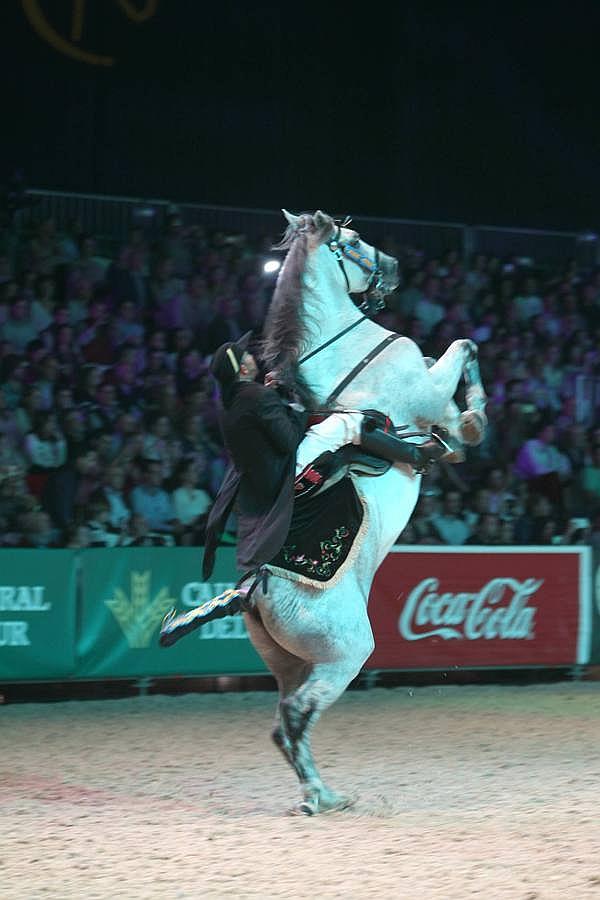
{"type": "Point", "coordinates": [471, 350]}
{"type": "Point", "coordinates": [472, 427]}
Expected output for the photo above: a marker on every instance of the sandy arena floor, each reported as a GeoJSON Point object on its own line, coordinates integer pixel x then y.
{"type": "Point", "coordinates": [490, 792]}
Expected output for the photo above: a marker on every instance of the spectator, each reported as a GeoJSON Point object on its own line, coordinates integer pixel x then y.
{"type": "Point", "coordinates": [15, 502]}
{"type": "Point", "coordinates": [590, 480]}
{"type": "Point", "coordinates": [45, 445]}
{"type": "Point", "coordinates": [126, 279]}
{"type": "Point", "coordinates": [119, 511]}
{"type": "Point", "coordinates": [88, 266]}
{"type": "Point", "coordinates": [159, 444]}
{"type": "Point", "coordinates": [65, 354]}
{"type": "Point", "coordinates": [422, 520]}
{"type": "Point", "coordinates": [77, 536]}
{"type": "Point", "coordinates": [453, 524]}
{"type": "Point", "coordinates": [528, 303]}
{"type": "Point", "coordinates": [166, 296]}
{"type": "Point", "coordinates": [95, 342]}
{"type": "Point", "coordinates": [20, 328]}
{"type": "Point", "coordinates": [13, 370]}
{"type": "Point", "coordinates": [225, 325]}
{"type": "Point", "coordinates": [38, 531]}
{"type": "Point", "coordinates": [175, 246]}
{"type": "Point", "coordinates": [42, 305]}
{"type": "Point", "coordinates": [506, 532]}
{"type": "Point", "coordinates": [75, 431]}
{"type": "Point", "coordinates": [428, 311]}
{"type": "Point", "coordinates": [80, 302]}
{"type": "Point", "coordinates": [190, 503]}
{"type": "Point", "coordinates": [101, 532]}
{"type": "Point", "coordinates": [127, 328]}
{"type": "Point", "coordinates": [543, 465]}
{"type": "Point", "coordinates": [152, 502]}
{"type": "Point", "coordinates": [66, 489]}
{"type": "Point", "coordinates": [486, 531]}
{"type": "Point", "coordinates": [196, 309]}
{"type": "Point", "coordinates": [105, 410]}
{"type": "Point", "coordinates": [31, 405]}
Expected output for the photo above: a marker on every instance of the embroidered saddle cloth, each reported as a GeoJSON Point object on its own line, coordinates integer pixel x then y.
{"type": "Point", "coordinates": [322, 534]}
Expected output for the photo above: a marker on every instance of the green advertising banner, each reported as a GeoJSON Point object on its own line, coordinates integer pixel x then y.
{"type": "Point", "coordinates": [125, 594]}
{"type": "Point", "coordinates": [37, 614]}
{"type": "Point", "coordinates": [595, 651]}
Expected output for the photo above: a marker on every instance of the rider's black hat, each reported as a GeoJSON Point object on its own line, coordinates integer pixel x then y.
{"type": "Point", "coordinates": [225, 364]}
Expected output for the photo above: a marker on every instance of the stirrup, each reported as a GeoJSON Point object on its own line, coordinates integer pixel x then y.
{"type": "Point", "coordinates": [454, 449]}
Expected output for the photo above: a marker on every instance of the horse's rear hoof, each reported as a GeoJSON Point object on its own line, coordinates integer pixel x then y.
{"type": "Point", "coordinates": [305, 808]}
{"type": "Point", "coordinates": [308, 807]}
{"type": "Point", "coordinates": [324, 804]}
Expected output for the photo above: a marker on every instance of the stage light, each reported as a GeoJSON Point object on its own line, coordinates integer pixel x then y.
{"type": "Point", "coordinates": [271, 266]}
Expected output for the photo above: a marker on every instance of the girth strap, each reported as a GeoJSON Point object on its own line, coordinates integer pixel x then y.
{"type": "Point", "coordinates": [359, 367]}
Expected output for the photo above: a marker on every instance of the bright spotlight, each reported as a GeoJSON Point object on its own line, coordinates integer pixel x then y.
{"type": "Point", "coordinates": [271, 266]}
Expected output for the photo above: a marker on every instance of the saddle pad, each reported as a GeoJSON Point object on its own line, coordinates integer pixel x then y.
{"type": "Point", "coordinates": [322, 533]}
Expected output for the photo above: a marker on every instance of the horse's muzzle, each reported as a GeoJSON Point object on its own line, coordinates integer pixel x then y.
{"type": "Point", "coordinates": [390, 277]}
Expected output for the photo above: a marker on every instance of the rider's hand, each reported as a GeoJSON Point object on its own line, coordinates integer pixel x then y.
{"type": "Point", "coordinates": [271, 380]}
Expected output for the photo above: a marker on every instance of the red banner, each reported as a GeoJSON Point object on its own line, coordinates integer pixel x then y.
{"type": "Point", "coordinates": [441, 608]}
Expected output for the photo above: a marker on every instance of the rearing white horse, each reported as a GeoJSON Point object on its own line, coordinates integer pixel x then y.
{"type": "Point", "coordinates": [315, 640]}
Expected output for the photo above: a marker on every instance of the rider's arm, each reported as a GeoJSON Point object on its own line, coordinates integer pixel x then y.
{"type": "Point", "coordinates": [283, 426]}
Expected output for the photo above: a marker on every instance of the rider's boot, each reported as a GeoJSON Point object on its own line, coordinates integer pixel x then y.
{"type": "Point", "coordinates": [386, 445]}
{"type": "Point", "coordinates": [177, 625]}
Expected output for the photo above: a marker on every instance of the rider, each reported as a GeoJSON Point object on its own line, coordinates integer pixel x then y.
{"type": "Point", "coordinates": [274, 461]}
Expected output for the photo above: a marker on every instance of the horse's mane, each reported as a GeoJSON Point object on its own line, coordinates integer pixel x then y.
{"type": "Point", "coordinates": [285, 329]}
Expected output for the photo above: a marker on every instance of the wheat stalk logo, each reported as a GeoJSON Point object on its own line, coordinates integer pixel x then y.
{"type": "Point", "coordinates": [138, 615]}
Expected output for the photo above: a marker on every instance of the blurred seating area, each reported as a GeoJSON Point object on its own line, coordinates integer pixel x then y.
{"type": "Point", "coordinates": [109, 419]}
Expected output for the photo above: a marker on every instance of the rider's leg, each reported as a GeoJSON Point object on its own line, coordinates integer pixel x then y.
{"type": "Point", "coordinates": [331, 434]}
{"type": "Point", "coordinates": [176, 625]}
{"type": "Point", "coordinates": [341, 429]}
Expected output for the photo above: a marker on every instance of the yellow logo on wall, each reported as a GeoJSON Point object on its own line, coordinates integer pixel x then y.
{"type": "Point", "coordinates": [70, 45]}
{"type": "Point", "coordinates": [138, 615]}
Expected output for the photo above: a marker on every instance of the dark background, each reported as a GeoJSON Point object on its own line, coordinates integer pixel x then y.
{"type": "Point", "coordinates": [478, 112]}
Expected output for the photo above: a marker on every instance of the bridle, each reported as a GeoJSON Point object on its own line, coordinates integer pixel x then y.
{"type": "Point", "coordinates": [374, 292]}
{"type": "Point", "coordinates": [374, 300]}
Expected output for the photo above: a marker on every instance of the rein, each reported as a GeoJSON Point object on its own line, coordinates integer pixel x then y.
{"type": "Point", "coordinates": [332, 340]}
{"type": "Point", "coordinates": [359, 367]}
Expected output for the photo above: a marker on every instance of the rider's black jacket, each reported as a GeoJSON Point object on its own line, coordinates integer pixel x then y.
{"type": "Point", "coordinates": [261, 433]}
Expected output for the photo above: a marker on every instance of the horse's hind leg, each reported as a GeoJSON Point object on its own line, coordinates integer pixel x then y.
{"type": "Point", "coordinates": [288, 670]}
{"type": "Point", "coordinates": [305, 692]}
{"type": "Point", "coordinates": [300, 712]}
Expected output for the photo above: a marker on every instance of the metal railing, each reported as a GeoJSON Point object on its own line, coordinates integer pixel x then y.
{"type": "Point", "coordinates": [110, 218]}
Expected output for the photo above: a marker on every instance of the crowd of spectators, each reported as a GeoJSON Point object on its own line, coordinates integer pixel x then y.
{"type": "Point", "coordinates": [109, 419]}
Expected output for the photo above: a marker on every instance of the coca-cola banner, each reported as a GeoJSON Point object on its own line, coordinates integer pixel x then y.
{"type": "Point", "coordinates": [471, 607]}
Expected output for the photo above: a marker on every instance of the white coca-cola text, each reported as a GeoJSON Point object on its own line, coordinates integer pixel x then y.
{"type": "Point", "coordinates": [498, 610]}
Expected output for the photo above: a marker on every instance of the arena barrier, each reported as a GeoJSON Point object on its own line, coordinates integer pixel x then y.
{"type": "Point", "coordinates": [110, 218]}
{"type": "Point", "coordinates": [95, 614]}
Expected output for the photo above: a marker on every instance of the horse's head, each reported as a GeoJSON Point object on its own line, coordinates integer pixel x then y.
{"type": "Point", "coordinates": [362, 268]}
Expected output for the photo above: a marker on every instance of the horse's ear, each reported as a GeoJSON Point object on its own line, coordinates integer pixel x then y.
{"type": "Point", "coordinates": [291, 218]}
{"type": "Point", "coordinates": [322, 221]}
